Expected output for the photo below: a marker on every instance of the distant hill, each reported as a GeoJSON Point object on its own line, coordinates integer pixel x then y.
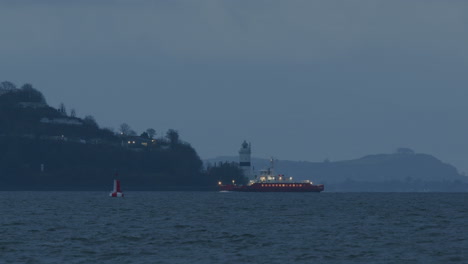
{"type": "Point", "coordinates": [402, 171]}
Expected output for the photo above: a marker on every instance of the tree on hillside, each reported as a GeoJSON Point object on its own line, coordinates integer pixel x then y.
{"type": "Point", "coordinates": [144, 135]}
{"type": "Point", "coordinates": [73, 113]}
{"type": "Point", "coordinates": [125, 129]}
{"type": "Point", "coordinates": [225, 172]}
{"type": "Point", "coordinates": [62, 110]}
{"type": "Point", "coordinates": [151, 132]}
{"type": "Point", "coordinates": [32, 95]}
{"type": "Point", "coordinates": [7, 86]}
{"type": "Point", "coordinates": [27, 94]}
{"type": "Point", "coordinates": [173, 136]}
{"type": "Point", "coordinates": [109, 130]}
{"type": "Point", "coordinates": [90, 121]}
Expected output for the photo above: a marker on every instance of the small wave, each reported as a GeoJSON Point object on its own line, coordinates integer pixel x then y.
{"type": "Point", "coordinates": [197, 242]}
{"type": "Point", "coordinates": [84, 239]}
{"type": "Point", "coordinates": [182, 226]}
{"type": "Point", "coordinates": [130, 238]}
{"type": "Point", "coordinates": [15, 224]}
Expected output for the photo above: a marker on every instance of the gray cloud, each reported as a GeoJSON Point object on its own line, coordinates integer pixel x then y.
{"type": "Point", "coordinates": [301, 79]}
{"type": "Point", "coordinates": [299, 30]}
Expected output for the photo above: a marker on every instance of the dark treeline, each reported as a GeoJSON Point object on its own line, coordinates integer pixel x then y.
{"type": "Point", "coordinates": [226, 173]}
{"type": "Point", "coordinates": [45, 148]}
{"type": "Point", "coordinates": [71, 165]}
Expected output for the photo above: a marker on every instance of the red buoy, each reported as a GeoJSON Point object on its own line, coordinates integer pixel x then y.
{"type": "Point", "coordinates": [117, 192]}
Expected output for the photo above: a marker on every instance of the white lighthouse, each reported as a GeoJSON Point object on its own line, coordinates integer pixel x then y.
{"type": "Point", "coordinates": [244, 159]}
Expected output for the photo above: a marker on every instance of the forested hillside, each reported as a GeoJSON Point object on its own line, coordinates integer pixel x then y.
{"type": "Point", "coordinates": [42, 147]}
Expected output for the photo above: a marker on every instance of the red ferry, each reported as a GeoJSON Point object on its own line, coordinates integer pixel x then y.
{"type": "Point", "coordinates": [267, 182]}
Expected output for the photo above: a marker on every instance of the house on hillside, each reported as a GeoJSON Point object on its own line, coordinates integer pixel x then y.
{"type": "Point", "coordinates": [136, 142]}
{"type": "Point", "coordinates": [34, 105]}
{"type": "Point", "coordinates": [62, 121]}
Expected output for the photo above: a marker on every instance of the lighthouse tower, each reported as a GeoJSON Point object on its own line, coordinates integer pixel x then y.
{"type": "Point", "coordinates": [244, 159]}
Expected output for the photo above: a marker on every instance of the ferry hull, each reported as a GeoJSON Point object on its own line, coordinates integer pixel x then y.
{"type": "Point", "coordinates": [265, 187]}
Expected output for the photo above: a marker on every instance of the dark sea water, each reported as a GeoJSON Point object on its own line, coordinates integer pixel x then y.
{"type": "Point", "coordinates": [212, 227]}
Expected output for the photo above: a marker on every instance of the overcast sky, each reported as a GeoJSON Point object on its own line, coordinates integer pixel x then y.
{"type": "Point", "coordinates": [301, 80]}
